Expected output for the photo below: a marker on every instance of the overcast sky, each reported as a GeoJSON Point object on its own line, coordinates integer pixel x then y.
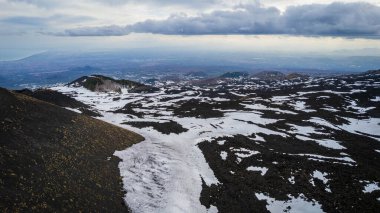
{"type": "Point", "coordinates": [236, 25]}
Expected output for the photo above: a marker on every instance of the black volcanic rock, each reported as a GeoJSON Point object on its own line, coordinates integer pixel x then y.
{"type": "Point", "coordinates": [165, 128]}
{"type": "Point", "coordinates": [106, 84]}
{"type": "Point", "coordinates": [55, 159]}
{"type": "Point", "coordinates": [234, 75]}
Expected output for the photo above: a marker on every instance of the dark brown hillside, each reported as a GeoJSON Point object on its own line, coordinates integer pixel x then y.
{"type": "Point", "coordinates": [53, 159]}
{"type": "Point", "coordinates": [59, 99]}
{"type": "Point", "coordinates": [53, 97]}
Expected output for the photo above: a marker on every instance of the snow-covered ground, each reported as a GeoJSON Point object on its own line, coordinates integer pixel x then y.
{"type": "Point", "coordinates": [164, 172]}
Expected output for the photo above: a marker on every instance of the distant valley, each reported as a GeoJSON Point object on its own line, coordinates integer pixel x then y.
{"type": "Point", "coordinates": [60, 67]}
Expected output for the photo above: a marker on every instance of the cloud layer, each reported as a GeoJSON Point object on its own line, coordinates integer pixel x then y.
{"type": "Point", "coordinates": [335, 19]}
{"type": "Point", "coordinates": [55, 3]}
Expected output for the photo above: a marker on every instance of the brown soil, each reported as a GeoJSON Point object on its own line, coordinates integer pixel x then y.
{"type": "Point", "coordinates": [55, 159]}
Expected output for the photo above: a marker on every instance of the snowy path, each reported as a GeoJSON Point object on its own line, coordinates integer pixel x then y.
{"type": "Point", "coordinates": [163, 173]}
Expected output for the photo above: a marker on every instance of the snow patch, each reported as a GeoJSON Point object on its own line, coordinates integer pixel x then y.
{"type": "Point", "coordinates": [376, 99]}
{"type": "Point", "coordinates": [297, 205]}
{"type": "Point", "coordinates": [72, 109]}
{"type": "Point", "coordinates": [221, 142]}
{"type": "Point", "coordinates": [292, 180]}
{"type": "Point", "coordinates": [370, 187]}
{"type": "Point", "coordinates": [243, 152]}
{"type": "Point", "coordinates": [263, 170]}
{"type": "Point", "coordinates": [368, 126]}
{"type": "Point", "coordinates": [223, 155]}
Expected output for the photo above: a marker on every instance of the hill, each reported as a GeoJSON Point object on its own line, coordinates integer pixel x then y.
{"type": "Point", "coordinates": [59, 99]}
{"type": "Point", "coordinates": [106, 84]}
{"type": "Point", "coordinates": [373, 72]}
{"type": "Point", "coordinates": [53, 97]}
{"type": "Point", "coordinates": [55, 159]}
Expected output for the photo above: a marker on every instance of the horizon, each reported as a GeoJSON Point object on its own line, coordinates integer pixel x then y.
{"type": "Point", "coordinates": [286, 27]}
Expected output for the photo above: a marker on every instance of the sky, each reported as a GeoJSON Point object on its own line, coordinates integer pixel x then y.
{"type": "Point", "coordinates": [286, 26]}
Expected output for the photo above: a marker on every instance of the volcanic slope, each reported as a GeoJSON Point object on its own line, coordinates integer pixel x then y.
{"type": "Point", "coordinates": [54, 159]}
{"type": "Point", "coordinates": [249, 145]}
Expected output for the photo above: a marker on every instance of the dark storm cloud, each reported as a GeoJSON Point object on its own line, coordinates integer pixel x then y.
{"type": "Point", "coordinates": [43, 21]}
{"type": "Point", "coordinates": [336, 19]}
{"type": "Point", "coordinates": [94, 31]}
{"type": "Point", "coordinates": [21, 20]}
{"type": "Point", "coordinates": [251, 19]}
{"type": "Point", "coordinates": [333, 19]}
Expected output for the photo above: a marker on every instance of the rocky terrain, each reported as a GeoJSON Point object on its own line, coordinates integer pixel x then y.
{"type": "Point", "coordinates": [269, 142]}
{"type": "Point", "coordinates": [53, 159]}
{"type": "Point", "coordinates": [265, 142]}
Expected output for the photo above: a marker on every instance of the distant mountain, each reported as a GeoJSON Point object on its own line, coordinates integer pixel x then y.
{"type": "Point", "coordinates": [106, 84]}
{"type": "Point", "coordinates": [270, 75]}
{"type": "Point", "coordinates": [55, 159]}
{"type": "Point", "coordinates": [293, 76]}
{"type": "Point", "coordinates": [373, 72]}
{"type": "Point", "coordinates": [234, 75]}
{"type": "Point", "coordinates": [196, 74]}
